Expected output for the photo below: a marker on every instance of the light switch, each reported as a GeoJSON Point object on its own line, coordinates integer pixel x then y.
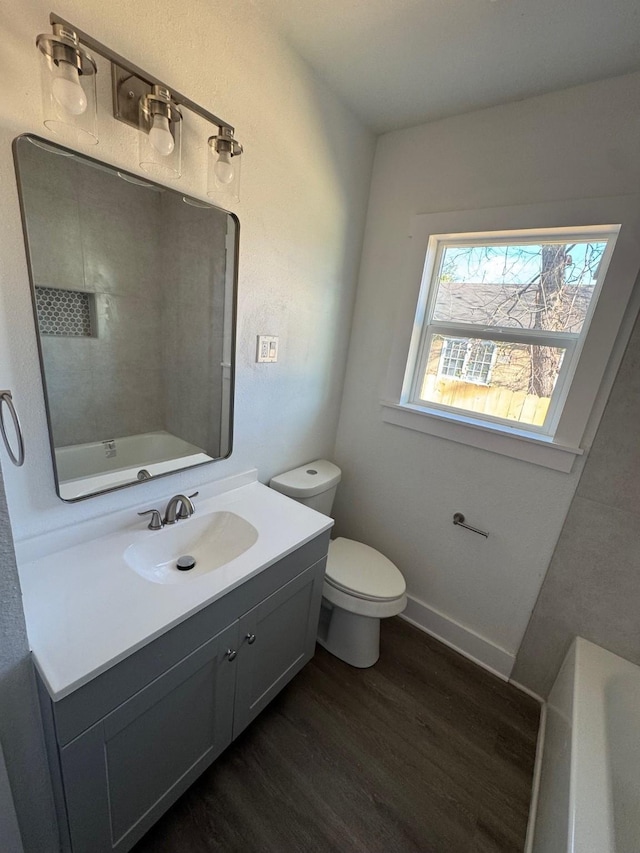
{"type": "Point", "coordinates": [267, 348]}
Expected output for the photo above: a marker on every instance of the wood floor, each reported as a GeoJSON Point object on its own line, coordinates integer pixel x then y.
{"type": "Point", "coordinates": [423, 752]}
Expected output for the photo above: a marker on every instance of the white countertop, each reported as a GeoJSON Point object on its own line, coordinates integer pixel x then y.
{"type": "Point", "coordinates": [86, 609]}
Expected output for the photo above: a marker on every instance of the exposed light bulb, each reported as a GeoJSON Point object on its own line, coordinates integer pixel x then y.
{"type": "Point", "coordinates": [160, 136]}
{"type": "Point", "coordinates": [223, 168]}
{"type": "Point", "coordinates": [67, 91]}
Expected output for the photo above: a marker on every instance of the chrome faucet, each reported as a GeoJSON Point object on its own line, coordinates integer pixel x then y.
{"type": "Point", "coordinates": [172, 513]}
{"type": "Point", "coordinates": [179, 506]}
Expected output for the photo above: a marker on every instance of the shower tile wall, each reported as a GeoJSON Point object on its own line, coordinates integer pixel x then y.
{"type": "Point", "coordinates": [193, 276]}
{"type": "Point", "coordinates": [83, 229]}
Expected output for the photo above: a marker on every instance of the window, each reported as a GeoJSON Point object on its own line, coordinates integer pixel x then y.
{"type": "Point", "coordinates": [469, 360]}
{"type": "Point", "coordinates": [511, 324]}
{"type": "Point", "coordinates": [504, 319]}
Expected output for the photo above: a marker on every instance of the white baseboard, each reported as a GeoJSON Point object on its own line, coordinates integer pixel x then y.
{"type": "Point", "coordinates": [528, 691]}
{"type": "Point", "coordinates": [461, 639]}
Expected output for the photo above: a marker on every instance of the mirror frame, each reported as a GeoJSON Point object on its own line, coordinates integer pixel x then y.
{"type": "Point", "coordinates": [136, 178]}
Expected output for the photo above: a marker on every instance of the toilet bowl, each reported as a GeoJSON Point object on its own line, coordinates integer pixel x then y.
{"type": "Point", "coordinates": [361, 585]}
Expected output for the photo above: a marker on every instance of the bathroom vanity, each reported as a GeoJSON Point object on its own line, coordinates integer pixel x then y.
{"type": "Point", "coordinates": [143, 683]}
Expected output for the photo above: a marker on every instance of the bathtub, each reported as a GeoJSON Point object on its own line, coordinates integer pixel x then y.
{"type": "Point", "coordinates": [589, 794]}
{"type": "Point", "coordinates": [95, 466]}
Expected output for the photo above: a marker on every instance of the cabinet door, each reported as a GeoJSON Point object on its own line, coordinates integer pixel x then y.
{"type": "Point", "coordinates": [126, 770]}
{"type": "Point", "coordinates": [277, 638]}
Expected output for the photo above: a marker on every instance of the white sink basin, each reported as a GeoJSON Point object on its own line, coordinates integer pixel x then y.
{"type": "Point", "coordinates": [213, 540]}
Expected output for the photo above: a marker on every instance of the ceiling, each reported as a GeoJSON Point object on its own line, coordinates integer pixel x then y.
{"type": "Point", "coordinates": [403, 62]}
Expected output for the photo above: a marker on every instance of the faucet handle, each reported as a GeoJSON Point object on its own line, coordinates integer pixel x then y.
{"type": "Point", "coordinates": [185, 511]}
{"type": "Point", "coordinates": [156, 519]}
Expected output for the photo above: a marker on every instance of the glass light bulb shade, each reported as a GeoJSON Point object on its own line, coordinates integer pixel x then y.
{"type": "Point", "coordinates": [67, 90]}
{"type": "Point", "coordinates": [68, 102]}
{"type": "Point", "coordinates": [224, 168]}
{"type": "Point", "coordinates": [223, 174]}
{"type": "Point", "coordinates": [160, 145]}
{"type": "Point", "coordinates": [160, 135]}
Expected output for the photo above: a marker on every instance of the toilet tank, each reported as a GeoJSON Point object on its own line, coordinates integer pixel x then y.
{"type": "Point", "coordinates": [313, 485]}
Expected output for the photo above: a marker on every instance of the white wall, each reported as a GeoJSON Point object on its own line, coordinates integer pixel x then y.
{"type": "Point", "coordinates": [400, 488]}
{"type": "Point", "coordinates": [304, 187]}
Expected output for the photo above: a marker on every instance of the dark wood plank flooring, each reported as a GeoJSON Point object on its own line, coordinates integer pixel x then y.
{"type": "Point", "coordinates": [423, 752]}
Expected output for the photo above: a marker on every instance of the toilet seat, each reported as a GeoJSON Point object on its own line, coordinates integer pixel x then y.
{"type": "Point", "coordinates": [361, 580]}
{"type": "Point", "coordinates": [357, 569]}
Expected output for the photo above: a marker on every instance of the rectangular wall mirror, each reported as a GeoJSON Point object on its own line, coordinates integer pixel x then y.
{"type": "Point", "coordinates": [134, 294]}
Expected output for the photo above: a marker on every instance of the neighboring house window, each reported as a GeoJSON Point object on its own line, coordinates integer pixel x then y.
{"type": "Point", "coordinates": [468, 360]}
{"type": "Point", "coordinates": [504, 320]}
{"type": "Point", "coordinates": [453, 357]}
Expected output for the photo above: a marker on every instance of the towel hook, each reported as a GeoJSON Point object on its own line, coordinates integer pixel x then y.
{"type": "Point", "coordinates": [458, 518]}
{"type": "Point", "coordinates": [7, 399]}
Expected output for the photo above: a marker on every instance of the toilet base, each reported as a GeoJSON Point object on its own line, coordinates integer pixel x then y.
{"type": "Point", "coordinates": [353, 638]}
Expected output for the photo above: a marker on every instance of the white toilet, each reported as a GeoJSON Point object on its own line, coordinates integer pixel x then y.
{"type": "Point", "coordinates": [360, 586]}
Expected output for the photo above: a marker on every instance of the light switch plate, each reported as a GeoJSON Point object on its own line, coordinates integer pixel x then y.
{"type": "Point", "coordinates": [267, 350]}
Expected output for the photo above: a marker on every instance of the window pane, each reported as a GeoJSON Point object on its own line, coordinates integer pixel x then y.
{"type": "Point", "coordinates": [545, 286]}
{"type": "Point", "coordinates": [504, 380]}
{"type": "Point", "coordinates": [454, 352]}
{"type": "Point", "coordinates": [480, 361]}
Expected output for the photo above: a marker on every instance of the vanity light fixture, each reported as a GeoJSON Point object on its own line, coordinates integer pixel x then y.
{"type": "Point", "coordinates": [68, 75]}
{"type": "Point", "coordinates": [139, 99]}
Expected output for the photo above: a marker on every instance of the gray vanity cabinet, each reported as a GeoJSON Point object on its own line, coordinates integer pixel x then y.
{"type": "Point", "coordinates": [126, 770]}
{"type": "Point", "coordinates": [126, 745]}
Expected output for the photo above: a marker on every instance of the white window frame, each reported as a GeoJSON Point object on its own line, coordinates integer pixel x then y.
{"type": "Point", "coordinates": [608, 327]}
{"type": "Point", "coordinates": [572, 343]}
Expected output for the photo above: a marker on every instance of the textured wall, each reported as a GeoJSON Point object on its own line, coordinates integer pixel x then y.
{"type": "Point", "coordinates": [305, 183]}
{"type": "Point", "coordinates": [20, 727]}
{"type": "Point", "coordinates": [592, 588]}
{"type": "Point", "coordinates": [400, 487]}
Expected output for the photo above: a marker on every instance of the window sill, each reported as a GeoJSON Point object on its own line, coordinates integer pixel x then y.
{"type": "Point", "coordinates": [518, 444]}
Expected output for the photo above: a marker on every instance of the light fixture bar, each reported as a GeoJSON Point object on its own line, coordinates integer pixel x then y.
{"type": "Point", "coordinates": [124, 67]}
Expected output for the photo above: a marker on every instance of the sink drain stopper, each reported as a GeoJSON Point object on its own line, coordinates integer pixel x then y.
{"type": "Point", "coordinates": [185, 563]}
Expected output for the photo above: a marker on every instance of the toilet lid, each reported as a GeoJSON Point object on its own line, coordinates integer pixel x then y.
{"type": "Point", "coordinates": [360, 570]}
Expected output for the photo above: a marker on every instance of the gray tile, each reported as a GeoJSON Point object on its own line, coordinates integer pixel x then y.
{"type": "Point", "coordinates": [70, 397]}
{"type": "Point", "coordinates": [592, 589]}
{"type": "Point", "coordinates": [62, 355]}
{"type": "Point", "coordinates": [55, 247]}
{"type": "Point", "coordinates": [175, 209]}
{"type": "Point", "coordinates": [103, 185]}
{"type": "Point", "coordinates": [45, 169]}
{"type": "Point", "coordinates": [129, 332]}
{"type": "Point", "coordinates": [120, 248]}
{"type": "Point", "coordinates": [127, 402]}
{"type": "Point", "coordinates": [193, 254]}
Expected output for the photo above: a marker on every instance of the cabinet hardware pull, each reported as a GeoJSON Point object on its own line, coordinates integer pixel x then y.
{"type": "Point", "coordinates": [251, 638]}
{"type": "Point", "coordinates": [231, 654]}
